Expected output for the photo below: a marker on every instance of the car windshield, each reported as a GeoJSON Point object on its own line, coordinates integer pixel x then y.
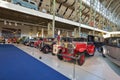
{"type": "Point", "coordinates": [66, 39]}
{"type": "Point", "coordinates": [79, 40]}
{"type": "Point", "coordinates": [32, 3]}
{"type": "Point", "coordinates": [25, 0]}
{"type": "Point", "coordinates": [50, 39]}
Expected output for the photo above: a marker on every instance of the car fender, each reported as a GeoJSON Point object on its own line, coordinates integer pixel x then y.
{"type": "Point", "coordinates": [82, 49]}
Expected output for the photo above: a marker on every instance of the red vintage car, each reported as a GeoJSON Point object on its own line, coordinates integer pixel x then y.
{"type": "Point", "coordinates": [38, 42]}
{"type": "Point", "coordinates": [75, 49]}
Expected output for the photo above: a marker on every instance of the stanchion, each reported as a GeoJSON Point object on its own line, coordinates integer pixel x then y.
{"type": "Point", "coordinates": [74, 71]}
{"type": "Point", "coordinates": [33, 52]}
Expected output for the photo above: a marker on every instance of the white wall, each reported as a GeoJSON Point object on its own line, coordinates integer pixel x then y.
{"type": "Point", "coordinates": [25, 30]}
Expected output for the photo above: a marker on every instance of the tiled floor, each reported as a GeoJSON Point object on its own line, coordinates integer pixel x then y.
{"type": "Point", "coordinates": [95, 68]}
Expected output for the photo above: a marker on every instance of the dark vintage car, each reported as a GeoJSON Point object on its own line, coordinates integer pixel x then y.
{"type": "Point", "coordinates": [47, 45]}
{"type": "Point", "coordinates": [75, 49]}
{"type": "Point", "coordinates": [26, 3]}
{"type": "Point", "coordinates": [98, 41]}
{"type": "Point", "coordinates": [30, 42]}
{"type": "Point", "coordinates": [111, 49]}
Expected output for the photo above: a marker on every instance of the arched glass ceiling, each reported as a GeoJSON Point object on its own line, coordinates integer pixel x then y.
{"type": "Point", "coordinates": [103, 11]}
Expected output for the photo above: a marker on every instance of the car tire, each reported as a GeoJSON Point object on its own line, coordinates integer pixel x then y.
{"type": "Point", "coordinates": [103, 55]}
{"type": "Point", "coordinates": [46, 50]}
{"type": "Point", "coordinates": [81, 59]}
{"type": "Point", "coordinates": [53, 54]}
{"type": "Point", "coordinates": [31, 44]}
{"type": "Point", "coordinates": [101, 50]}
{"type": "Point", "coordinates": [18, 4]}
{"type": "Point", "coordinates": [60, 57]}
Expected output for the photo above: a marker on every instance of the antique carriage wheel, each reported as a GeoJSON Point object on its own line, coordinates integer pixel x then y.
{"type": "Point", "coordinates": [59, 55]}
{"type": "Point", "coordinates": [45, 50]}
{"type": "Point", "coordinates": [81, 58]}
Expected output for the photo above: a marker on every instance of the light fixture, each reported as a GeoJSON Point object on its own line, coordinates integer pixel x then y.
{"type": "Point", "coordinates": [5, 22]}
{"type": "Point", "coordinates": [58, 32]}
{"type": "Point", "coordinates": [10, 23]}
{"type": "Point", "coordinates": [15, 24]}
{"type": "Point", "coordinates": [22, 24]}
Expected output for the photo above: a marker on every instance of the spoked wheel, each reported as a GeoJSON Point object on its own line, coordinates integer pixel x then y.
{"type": "Point", "coordinates": [45, 50]}
{"type": "Point", "coordinates": [32, 45]}
{"type": "Point", "coordinates": [60, 57]}
{"type": "Point", "coordinates": [81, 59]}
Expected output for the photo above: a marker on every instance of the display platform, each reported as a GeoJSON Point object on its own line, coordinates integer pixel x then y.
{"type": "Point", "coordinates": [15, 64]}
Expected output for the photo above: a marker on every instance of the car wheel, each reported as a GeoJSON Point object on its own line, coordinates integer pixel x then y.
{"type": "Point", "coordinates": [37, 47]}
{"type": "Point", "coordinates": [53, 54]}
{"type": "Point", "coordinates": [59, 56]}
{"type": "Point", "coordinates": [32, 45]}
{"type": "Point", "coordinates": [102, 51]}
{"type": "Point", "coordinates": [45, 50]}
{"type": "Point", "coordinates": [103, 55]}
{"type": "Point", "coordinates": [18, 4]}
{"type": "Point", "coordinates": [81, 58]}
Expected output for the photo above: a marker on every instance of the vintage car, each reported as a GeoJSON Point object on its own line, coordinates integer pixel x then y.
{"type": "Point", "coordinates": [98, 41]}
{"type": "Point", "coordinates": [75, 49]}
{"type": "Point", "coordinates": [26, 3]}
{"type": "Point", "coordinates": [30, 42]}
{"type": "Point", "coordinates": [38, 42]}
{"type": "Point", "coordinates": [111, 49]}
{"type": "Point", "coordinates": [14, 40]}
{"type": "Point", "coordinates": [58, 45]}
{"type": "Point", "coordinates": [47, 45]}
{"type": "Point", "coordinates": [2, 40]}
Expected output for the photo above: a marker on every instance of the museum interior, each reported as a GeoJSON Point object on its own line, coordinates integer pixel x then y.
{"type": "Point", "coordinates": [59, 39]}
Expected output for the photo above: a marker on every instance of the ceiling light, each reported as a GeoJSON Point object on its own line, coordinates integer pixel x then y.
{"type": "Point", "coordinates": [10, 23]}
{"type": "Point", "coordinates": [15, 24]}
{"type": "Point", "coordinates": [5, 22]}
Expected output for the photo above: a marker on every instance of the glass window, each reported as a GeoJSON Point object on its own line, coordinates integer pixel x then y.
{"type": "Point", "coordinates": [118, 43]}
{"type": "Point", "coordinates": [79, 39]}
{"type": "Point", "coordinates": [25, 0]}
{"type": "Point", "coordinates": [32, 3]}
{"type": "Point", "coordinates": [112, 42]}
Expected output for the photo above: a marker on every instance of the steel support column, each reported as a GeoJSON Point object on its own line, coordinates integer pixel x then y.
{"type": "Point", "coordinates": [80, 16]}
{"type": "Point", "coordinates": [50, 30]}
{"type": "Point", "coordinates": [53, 22]}
{"type": "Point", "coordinates": [42, 32]}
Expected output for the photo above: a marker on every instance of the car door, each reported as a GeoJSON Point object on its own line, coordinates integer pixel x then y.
{"type": "Point", "coordinates": [112, 48]}
{"type": "Point", "coordinates": [25, 3]}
